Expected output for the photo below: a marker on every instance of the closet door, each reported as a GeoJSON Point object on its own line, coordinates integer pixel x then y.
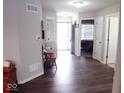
{"type": "Point", "coordinates": [98, 37]}
{"type": "Point", "coordinates": [113, 37]}
{"type": "Point", "coordinates": [50, 36]}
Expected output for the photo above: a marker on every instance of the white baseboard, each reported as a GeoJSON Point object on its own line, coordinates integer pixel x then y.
{"type": "Point", "coordinates": [77, 54]}
{"type": "Point", "coordinates": [99, 60]}
{"type": "Point", "coordinates": [30, 78]}
{"type": "Point", "coordinates": [111, 61]}
{"type": "Point", "coordinates": [102, 62]}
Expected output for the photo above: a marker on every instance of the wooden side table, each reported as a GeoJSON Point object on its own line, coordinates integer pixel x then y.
{"type": "Point", "coordinates": [50, 56]}
{"type": "Point", "coordinates": [9, 79]}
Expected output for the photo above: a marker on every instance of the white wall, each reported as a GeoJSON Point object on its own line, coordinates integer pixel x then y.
{"type": "Point", "coordinates": [52, 14]}
{"type": "Point", "coordinates": [109, 10]}
{"type": "Point", "coordinates": [10, 34]}
{"type": "Point", "coordinates": [77, 34]}
{"type": "Point", "coordinates": [92, 15]}
{"type": "Point", "coordinates": [117, 77]}
{"type": "Point", "coordinates": [20, 44]}
{"type": "Point", "coordinates": [86, 15]}
{"type": "Point", "coordinates": [30, 48]}
{"type": "Point", "coordinates": [10, 27]}
{"type": "Point", "coordinates": [104, 12]}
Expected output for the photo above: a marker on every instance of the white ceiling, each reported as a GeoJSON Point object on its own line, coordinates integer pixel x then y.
{"type": "Point", "coordinates": [66, 5]}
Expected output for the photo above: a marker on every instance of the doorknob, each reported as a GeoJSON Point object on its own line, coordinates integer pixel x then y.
{"type": "Point", "coordinates": [100, 42]}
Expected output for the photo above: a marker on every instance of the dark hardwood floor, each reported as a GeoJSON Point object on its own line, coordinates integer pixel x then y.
{"type": "Point", "coordinates": [86, 53]}
{"type": "Point", "coordinates": [74, 75]}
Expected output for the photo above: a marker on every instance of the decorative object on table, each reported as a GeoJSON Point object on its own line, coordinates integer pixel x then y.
{"type": "Point", "coordinates": [48, 48]}
{"type": "Point", "coordinates": [50, 59]}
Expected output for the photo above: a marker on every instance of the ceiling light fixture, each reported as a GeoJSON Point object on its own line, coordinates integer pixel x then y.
{"type": "Point", "coordinates": [78, 4]}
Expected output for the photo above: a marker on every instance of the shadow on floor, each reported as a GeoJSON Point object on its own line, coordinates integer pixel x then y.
{"type": "Point", "coordinates": [87, 54]}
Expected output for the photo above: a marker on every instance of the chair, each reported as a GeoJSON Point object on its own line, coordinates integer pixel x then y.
{"type": "Point", "coordinates": [50, 57]}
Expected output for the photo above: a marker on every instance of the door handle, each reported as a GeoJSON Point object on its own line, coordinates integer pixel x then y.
{"type": "Point", "coordinates": [100, 42]}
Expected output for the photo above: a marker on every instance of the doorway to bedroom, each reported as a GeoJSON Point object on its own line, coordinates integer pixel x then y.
{"type": "Point", "coordinates": [87, 30]}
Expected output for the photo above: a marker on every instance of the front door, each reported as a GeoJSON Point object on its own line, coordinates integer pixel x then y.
{"type": "Point", "coordinates": [64, 35]}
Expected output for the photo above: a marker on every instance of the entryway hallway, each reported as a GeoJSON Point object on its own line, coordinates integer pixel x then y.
{"type": "Point", "coordinates": [74, 75]}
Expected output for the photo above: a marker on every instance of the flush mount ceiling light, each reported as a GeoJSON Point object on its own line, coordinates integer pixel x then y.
{"type": "Point", "coordinates": [78, 4]}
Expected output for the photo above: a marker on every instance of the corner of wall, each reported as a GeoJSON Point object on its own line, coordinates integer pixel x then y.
{"type": "Point", "coordinates": [30, 78]}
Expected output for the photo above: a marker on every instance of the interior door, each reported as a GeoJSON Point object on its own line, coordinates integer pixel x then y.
{"type": "Point", "coordinates": [113, 37]}
{"type": "Point", "coordinates": [98, 37]}
{"type": "Point", "coordinates": [50, 29]}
